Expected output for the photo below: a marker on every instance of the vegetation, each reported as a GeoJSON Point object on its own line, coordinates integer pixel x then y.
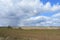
{"type": "Point", "coordinates": [31, 34]}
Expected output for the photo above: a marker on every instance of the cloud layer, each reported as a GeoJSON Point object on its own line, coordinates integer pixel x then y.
{"type": "Point", "coordinates": [24, 13]}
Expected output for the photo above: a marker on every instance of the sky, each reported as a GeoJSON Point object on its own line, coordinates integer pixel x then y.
{"type": "Point", "coordinates": [29, 12]}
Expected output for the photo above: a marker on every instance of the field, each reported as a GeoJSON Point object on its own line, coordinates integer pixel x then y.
{"type": "Point", "coordinates": [29, 34]}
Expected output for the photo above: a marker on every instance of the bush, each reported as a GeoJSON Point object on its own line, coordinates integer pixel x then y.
{"type": "Point", "coordinates": [9, 27]}
{"type": "Point", "coordinates": [20, 28]}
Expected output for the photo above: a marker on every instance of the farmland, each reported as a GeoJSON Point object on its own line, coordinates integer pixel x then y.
{"type": "Point", "coordinates": [29, 34]}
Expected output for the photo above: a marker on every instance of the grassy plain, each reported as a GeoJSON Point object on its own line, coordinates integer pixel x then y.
{"type": "Point", "coordinates": [29, 34]}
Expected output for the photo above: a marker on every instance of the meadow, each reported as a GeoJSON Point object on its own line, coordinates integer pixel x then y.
{"type": "Point", "coordinates": [29, 34]}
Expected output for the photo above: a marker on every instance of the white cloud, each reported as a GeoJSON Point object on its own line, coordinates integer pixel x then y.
{"type": "Point", "coordinates": [56, 8]}
{"type": "Point", "coordinates": [43, 21]}
{"type": "Point", "coordinates": [33, 21]}
{"type": "Point", "coordinates": [48, 7]}
{"type": "Point", "coordinates": [37, 18]}
{"type": "Point", "coordinates": [56, 15]}
{"type": "Point", "coordinates": [16, 12]}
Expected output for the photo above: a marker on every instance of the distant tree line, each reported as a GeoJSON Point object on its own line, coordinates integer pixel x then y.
{"type": "Point", "coordinates": [14, 27]}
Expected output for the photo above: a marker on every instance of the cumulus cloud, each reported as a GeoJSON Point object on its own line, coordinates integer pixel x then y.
{"type": "Point", "coordinates": [22, 12]}
{"type": "Point", "coordinates": [54, 20]}
{"type": "Point", "coordinates": [37, 21]}
{"type": "Point", "coordinates": [42, 21]}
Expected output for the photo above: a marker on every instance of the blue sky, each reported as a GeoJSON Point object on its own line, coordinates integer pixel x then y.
{"type": "Point", "coordinates": [51, 1]}
{"type": "Point", "coordinates": [30, 12]}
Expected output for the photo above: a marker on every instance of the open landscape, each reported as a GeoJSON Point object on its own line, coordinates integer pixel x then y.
{"type": "Point", "coordinates": [29, 19]}
{"type": "Point", "coordinates": [8, 33]}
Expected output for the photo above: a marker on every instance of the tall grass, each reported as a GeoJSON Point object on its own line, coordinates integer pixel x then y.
{"type": "Point", "coordinates": [32, 34]}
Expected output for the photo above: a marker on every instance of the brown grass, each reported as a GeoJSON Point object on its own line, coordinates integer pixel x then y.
{"type": "Point", "coordinates": [33, 34]}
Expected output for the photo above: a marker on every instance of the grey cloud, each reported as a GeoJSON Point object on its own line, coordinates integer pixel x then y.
{"type": "Point", "coordinates": [14, 12]}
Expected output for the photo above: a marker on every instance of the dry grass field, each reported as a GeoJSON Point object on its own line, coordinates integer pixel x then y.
{"type": "Point", "coordinates": [29, 34]}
